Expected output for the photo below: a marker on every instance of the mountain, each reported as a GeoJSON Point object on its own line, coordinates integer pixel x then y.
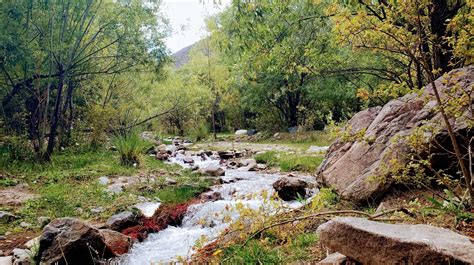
{"type": "Point", "coordinates": [181, 57]}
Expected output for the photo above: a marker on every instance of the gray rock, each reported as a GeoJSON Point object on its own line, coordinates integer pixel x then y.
{"type": "Point", "coordinates": [335, 258]}
{"type": "Point", "coordinates": [214, 171]}
{"type": "Point", "coordinates": [21, 256]}
{"type": "Point", "coordinates": [170, 182]}
{"type": "Point", "coordinates": [25, 225]}
{"type": "Point", "coordinates": [241, 132]}
{"type": "Point", "coordinates": [289, 189]}
{"type": "Point", "coordinates": [372, 242]}
{"type": "Point", "coordinates": [188, 160]}
{"type": "Point", "coordinates": [357, 168]}
{"type": "Point", "coordinates": [248, 164]}
{"type": "Point", "coordinates": [32, 242]}
{"type": "Point", "coordinates": [97, 210]}
{"type": "Point", "coordinates": [121, 221]}
{"type": "Point", "coordinates": [6, 260]}
{"type": "Point", "coordinates": [43, 220]}
{"type": "Point", "coordinates": [115, 188]}
{"type": "Point", "coordinates": [147, 208]}
{"type": "Point", "coordinates": [7, 217]}
{"type": "Point", "coordinates": [104, 180]}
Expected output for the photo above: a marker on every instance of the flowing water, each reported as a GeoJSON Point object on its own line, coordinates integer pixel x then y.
{"type": "Point", "coordinates": [208, 219]}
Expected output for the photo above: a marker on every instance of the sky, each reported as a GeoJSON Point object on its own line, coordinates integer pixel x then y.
{"type": "Point", "coordinates": [187, 20]}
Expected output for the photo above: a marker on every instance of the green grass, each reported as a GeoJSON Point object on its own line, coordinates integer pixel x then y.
{"type": "Point", "coordinates": [271, 251]}
{"type": "Point", "coordinates": [270, 158]}
{"type": "Point", "coordinates": [180, 194]}
{"type": "Point", "coordinates": [68, 185]}
{"type": "Point", "coordinates": [300, 163]}
{"type": "Point", "coordinates": [130, 148]}
{"type": "Point", "coordinates": [290, 162]}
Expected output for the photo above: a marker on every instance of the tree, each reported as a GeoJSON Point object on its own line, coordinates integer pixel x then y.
{"type": "Point", "coordinates": [59, 45]}
{"type": "Point", "coordinates": [279, 53]}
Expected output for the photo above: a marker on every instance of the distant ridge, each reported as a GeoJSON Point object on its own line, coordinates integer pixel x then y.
{"type": "Point", "coordinates": [181, 57]}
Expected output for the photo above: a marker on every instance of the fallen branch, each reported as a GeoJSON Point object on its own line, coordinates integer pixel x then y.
{"type": "Point", "coordinates": [369, 216]}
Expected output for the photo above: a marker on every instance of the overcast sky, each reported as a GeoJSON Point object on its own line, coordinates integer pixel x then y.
{"type": "Point", "coordinates": [187, 20]}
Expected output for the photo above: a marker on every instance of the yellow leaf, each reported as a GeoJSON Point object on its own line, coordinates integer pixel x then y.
{"type": "Point", "coordinates": [217, 252]}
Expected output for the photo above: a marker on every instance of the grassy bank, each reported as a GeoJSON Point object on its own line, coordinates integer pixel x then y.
{"type": "Point", "coordinates": [290, 162]}
{"type": "Point", "coordinates": [69, 186]}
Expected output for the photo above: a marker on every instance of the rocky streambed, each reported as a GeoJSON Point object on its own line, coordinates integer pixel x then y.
{"type": "Point", "coordinates": [156, 233]}
{"type": "Point", "coordinates": [217, 208]}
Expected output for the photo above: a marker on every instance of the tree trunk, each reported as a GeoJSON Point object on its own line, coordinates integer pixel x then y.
{"type": "Point", "coordinates": [55, 117]}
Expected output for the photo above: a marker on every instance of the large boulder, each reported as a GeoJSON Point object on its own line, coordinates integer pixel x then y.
{"type": "Point", "coordinates": [71, 241]}
{"type": "Point", "coordinates": [372, 242]}
{"type": "Point", "coordinates": [289, 189]}
{"type": "Point", "coordinates": [357, 166]}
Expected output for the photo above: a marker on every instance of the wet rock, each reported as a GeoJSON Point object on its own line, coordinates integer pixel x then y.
{"type": "Point", "coordinates": [357, 168]}
{"type": "Point", "coordinates": [210, 196]}
{"type": "Point", "coordinates": [116, 242]}
{"type": "Point", "coordinates": [71, 241]}
{"type": "Point", "coordinates": [241, 132]}
{"type": "Point", "coordinates": [188, 160]}
{"type": "Point", "coordinates": [372, 242]}
{"type": "Point", "coordinates": [162, 155]}
{"type": "Point", "coordinates": [7, 217]}
{"type": "Point", "coordinates": [248, 164]}
{"type": "Point", "coordinates": [289, 189]}
{"type": "Point", "coordinates": [261, 167]}
{"type": "Point", "coordinates": [121, 221]}
{"type": "Point", "coordinates": [226, 154]}
{"type": "Point", "coordinates": [211, 170]}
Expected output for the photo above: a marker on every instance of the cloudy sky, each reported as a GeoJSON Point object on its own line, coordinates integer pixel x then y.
{"type": "Point", "coordinates": [187, 20]}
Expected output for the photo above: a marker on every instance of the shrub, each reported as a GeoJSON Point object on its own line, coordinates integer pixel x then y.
{"type": "Point", "coordinates": [130, 148]}
{"type": "Point", "coordinates": [200, 132]}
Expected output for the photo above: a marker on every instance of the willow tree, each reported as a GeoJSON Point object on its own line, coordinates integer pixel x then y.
{"type": "Point", "coordinates": [281, 53]}
{"type": "Point", "coordinates": [49, 48]}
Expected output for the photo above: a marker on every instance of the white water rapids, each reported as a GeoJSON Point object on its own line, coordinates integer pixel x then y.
{"type": "Point", "coordinates": [208, 219]}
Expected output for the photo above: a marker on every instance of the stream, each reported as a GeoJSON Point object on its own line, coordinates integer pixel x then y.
{"type": "Point", "coordinates": [207, 220]}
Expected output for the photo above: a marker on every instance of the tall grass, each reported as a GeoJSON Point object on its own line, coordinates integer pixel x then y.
{"type": "Point", "coordinates": [130, 148]}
